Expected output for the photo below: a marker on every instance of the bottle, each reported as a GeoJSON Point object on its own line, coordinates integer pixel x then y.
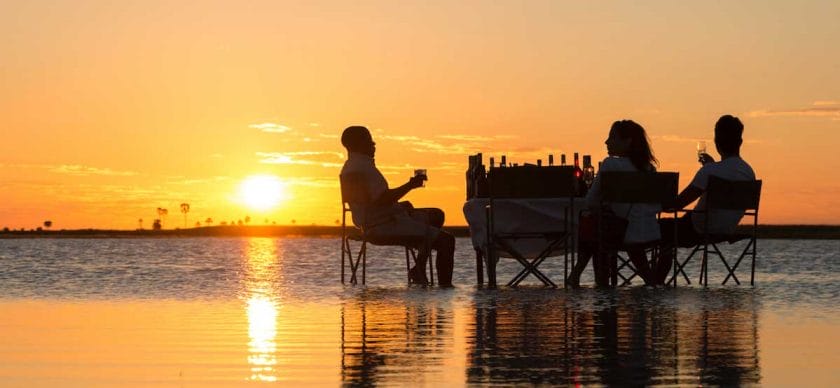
{"type": "Point", "coordinates": [481, 186]}
{"type": "Point", "coordinates": [580, 187]}
{"type": "Point", "coordinates": [492, 161]}
{"type": "Point", "coordinates": [550, 159]}
{"type": "Point", "coordinates": [562, 159]}
{"type": "Point", "coordinates": [588, 170]}
{"type": "Point", "coordinates": [471, 178]}
{"type": "Point", "coordinates": [503, 163]}
{"type": "Point", "coordinates": [539, 162]}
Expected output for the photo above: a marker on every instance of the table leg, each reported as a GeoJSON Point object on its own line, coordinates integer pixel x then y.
{"type": "Point", "coordinates": [479, 267]}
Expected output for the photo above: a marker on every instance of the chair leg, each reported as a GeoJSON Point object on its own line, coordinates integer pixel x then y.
{"type": "Point", "coordinates": [407, 266]}
{"type": "Point", "coordinates": [431, 265]}
{"type": "Point", "coordinates": [479, 267]}
{"type": "Point", "coordinates": [364, 261]}
{"type": "Point", "coordinates": [730, 270]}
{"type": "Point", "coordinates": [744, 253]}
{"type": "Point", "coordinates": [754, 253]}
{"type": "Point", "coordinates": [354, 264]}
{"type": "Point", "coordinates": [680, 268]}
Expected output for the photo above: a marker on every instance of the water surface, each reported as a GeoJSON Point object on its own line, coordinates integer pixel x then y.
{"type": "Point", "coordinates": [217, 311]}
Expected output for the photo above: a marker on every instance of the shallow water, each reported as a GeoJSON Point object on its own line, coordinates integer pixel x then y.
{"type": "Point", "coordinates": [214, 311]}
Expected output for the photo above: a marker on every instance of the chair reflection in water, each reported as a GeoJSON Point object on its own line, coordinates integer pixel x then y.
{"type": "Point", "coordinates": [388, 342]}
{"type": "Point", "coordinates": [634, 338]}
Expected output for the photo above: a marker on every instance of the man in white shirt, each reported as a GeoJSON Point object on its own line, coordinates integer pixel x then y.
{"type": "Point", "coordinates": [384, 216]}
{"type": "Point", "coordinates": [728, 139]}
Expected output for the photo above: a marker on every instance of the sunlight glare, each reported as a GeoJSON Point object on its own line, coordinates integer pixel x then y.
{"type": "Point", "coordinates": [262, 192]}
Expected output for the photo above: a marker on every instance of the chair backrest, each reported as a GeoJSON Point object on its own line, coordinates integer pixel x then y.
{"type": "Point", "coordinates": [353, 188]}
{"type": "Point", "coordinates": [640, 187]}
{"type": "Point", "coordinates": [531, 182]}
{"type": "Point", "coordinates": [733, 195]}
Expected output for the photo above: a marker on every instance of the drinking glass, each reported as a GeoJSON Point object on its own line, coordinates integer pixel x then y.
{"type": "Point", "coordinates": [421, 172]}
{"type": "Point", "coordinates": [701, 149]}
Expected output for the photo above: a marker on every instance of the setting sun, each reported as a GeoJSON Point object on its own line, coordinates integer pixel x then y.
{"type": "Point", "coordinates": [262, 192]}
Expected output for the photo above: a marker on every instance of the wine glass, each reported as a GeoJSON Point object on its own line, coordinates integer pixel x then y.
{"type": "Point", "coordinates": [701, 149]}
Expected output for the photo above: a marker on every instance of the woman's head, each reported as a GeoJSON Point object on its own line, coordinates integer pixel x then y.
{"type": "Point", "coordinates": [628, 139]}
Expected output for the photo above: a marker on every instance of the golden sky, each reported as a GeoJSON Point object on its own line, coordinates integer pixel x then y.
{"type": "Point", "coordinates": [109, 110]}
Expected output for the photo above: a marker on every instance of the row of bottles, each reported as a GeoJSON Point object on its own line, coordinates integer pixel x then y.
{"type": "Point", "coordinates": [477, 173]}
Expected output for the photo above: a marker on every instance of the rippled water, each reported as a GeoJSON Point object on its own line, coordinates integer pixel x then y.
{"type": "Point", "coordinates": [214, 311]}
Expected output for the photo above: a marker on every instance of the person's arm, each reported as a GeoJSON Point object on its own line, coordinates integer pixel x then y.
{"type": "Point", "coordinates": [687, 196]}
{"type": "Point", "coordinates": [392, 196]}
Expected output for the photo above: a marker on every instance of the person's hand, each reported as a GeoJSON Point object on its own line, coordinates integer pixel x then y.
{"type": "Point", "coordinates": [416, 181]}
{"type": "Point", "coordinates": [706, 158]}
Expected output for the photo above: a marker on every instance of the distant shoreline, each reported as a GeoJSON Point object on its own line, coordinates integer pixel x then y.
{"type": "Point", "coordinates": [823, 232]}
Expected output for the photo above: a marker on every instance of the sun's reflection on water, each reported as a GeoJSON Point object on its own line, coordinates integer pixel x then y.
{"type": "Point", "coordinates": [262, 308]}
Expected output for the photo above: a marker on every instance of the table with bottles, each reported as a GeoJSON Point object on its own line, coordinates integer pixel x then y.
{"type": "Point", "coordinates": [512, 215]}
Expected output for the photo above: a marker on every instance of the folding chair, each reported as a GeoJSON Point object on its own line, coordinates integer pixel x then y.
{"type": "Point", "coordinates": [635, 188]}
{"type": "Point", "coordinates": [725, 195]}
{"type": "Point", "coordinates": [529, 182]}
{"type": "Point", "coordinates": [352, 191]}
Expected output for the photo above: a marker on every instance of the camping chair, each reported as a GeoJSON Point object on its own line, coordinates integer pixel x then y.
{"type": "Point", "coordinates": [725, 195]}
{"type": "Point", "coordinates": [554, 182]}
{"type": "Point", "coordinates": [352, 191]}
{"type": "Point", "coordinates": [634, 188]}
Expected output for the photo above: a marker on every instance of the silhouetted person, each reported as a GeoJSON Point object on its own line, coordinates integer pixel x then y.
{"type": "Point", "coordinates": [728, 139]}
{"type": "Point", "coordinates": [629, 150]}
{"type": "Point", "coordinates": [387, 217]}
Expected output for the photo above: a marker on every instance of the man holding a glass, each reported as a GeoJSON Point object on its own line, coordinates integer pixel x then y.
{"type": "Point", "coordinates": [385, 216]}
{"type": "Point", "coordinates": [728, 139]}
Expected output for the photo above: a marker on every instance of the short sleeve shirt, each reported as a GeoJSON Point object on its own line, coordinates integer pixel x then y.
{"type": "Point", "coordinates": [374, 184]}
{"type": "Point", "coordinates": [720, 221]}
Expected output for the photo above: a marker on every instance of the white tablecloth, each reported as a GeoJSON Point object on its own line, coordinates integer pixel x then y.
{"type": "Point", "coordinates": [520, 215]}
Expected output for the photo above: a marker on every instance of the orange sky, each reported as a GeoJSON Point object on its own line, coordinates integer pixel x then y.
{"type": "Point", "coordinates": [111, 110]}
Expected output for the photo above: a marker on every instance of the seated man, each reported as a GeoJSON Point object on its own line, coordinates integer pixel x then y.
{"type": "Point", "coordinates": [384, 216]}
{"type": "Point", "coordinates": [728, 140]}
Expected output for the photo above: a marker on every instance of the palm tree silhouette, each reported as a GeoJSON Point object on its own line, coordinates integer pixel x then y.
{"type": "Point", "coordinates": [185, 208]}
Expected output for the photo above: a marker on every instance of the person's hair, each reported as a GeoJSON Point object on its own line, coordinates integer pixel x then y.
{"type": "Point", "coordinates": [640, 152]}
{"type": "Point", "coordinates": [355, 137]}
{"type": "Point", "coordinates": [728, 134]}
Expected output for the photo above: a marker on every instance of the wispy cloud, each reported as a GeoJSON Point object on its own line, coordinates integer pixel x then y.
{"type": "Point", "coordinates": [684, 139]}
{"type": "Point", "coordinates": [294, 158]}
{"type": "Point", "coordinates": [452, 144]}
{"type": "Point", "coordinates": [271, 127]}
{"type": "Point", "coordinates": [828, 109]}
{"type": "Point", "coordinates": [80, 170]}
{"type": "Point", "coordinates": [676, 139]}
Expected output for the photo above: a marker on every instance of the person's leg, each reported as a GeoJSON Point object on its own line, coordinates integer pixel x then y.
{"type": "Point", "coordinates": [445, 262]}
{"type": "Point", "coordinates": [639, 260]}
{"type": "Point", "coordinates": [429, 215]}
{"type": "Point", "coordinates": [585, 251]}
{"type": "Point", "coordinates": [686, 236]}
{"type": "Point", "coordinates": [601, 266]}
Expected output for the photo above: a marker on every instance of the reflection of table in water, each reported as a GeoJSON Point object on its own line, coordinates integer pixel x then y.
{"type": "Point", "coordinates": [519, 215]}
